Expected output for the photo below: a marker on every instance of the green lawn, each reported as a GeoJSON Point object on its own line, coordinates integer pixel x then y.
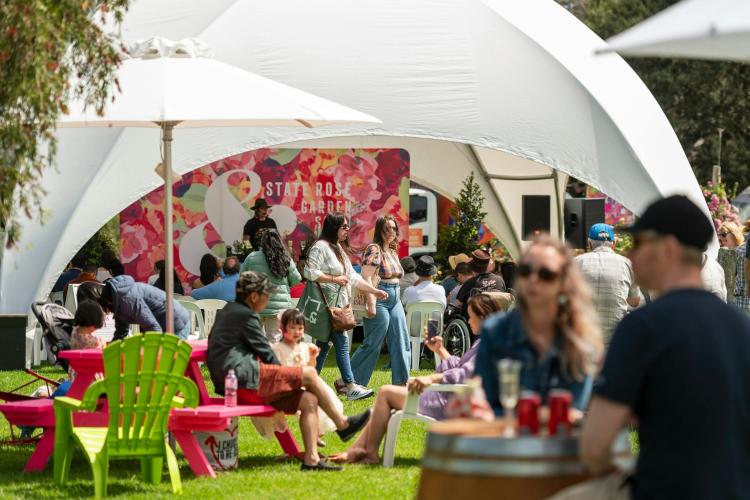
{"type": "Point", "coordinates": [260, 474]}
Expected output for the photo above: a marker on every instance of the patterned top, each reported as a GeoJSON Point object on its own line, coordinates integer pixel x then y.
{"type": "Point", "coordinates": [387, 262]}
{"type": "Point", "coordinates": [297, 356]}
{"type": "Point", "coordinates": [740, 298]}
{"type": "Point", "coordinates": [80, 340]}
{"type": "Point", "coordinates": [612, 284]}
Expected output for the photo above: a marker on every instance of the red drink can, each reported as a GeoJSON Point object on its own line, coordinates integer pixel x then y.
{"type": "Point", "coordinates": [528, 412]}
{"type": "Point", "coordinates": [559, 404]}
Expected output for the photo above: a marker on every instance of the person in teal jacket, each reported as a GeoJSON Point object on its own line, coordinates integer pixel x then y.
{"type": "Point", "coordinates": [273, 260]}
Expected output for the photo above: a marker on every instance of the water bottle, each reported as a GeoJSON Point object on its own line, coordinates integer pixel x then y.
{"type": "Point", "coordinates": [230, 389]}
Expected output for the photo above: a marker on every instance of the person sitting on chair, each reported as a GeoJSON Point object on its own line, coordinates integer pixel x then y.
{"type": "Point", "coordinates": [237, 342]}
{"type": "Point", "coordinates": [424, 290]}
{"type": "Point", "coordinates": [452, 370]}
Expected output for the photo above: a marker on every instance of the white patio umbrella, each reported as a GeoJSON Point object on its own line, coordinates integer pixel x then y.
{"type": "Point", "coordinates": [168, 84]}
{"type": "Point", "coordinates": [698, 29]}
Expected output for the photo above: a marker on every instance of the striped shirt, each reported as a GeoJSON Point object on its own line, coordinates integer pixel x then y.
{"type": "Point", "coordinates": [612, 284]}
{"type": "Point", "coordinates": [386, 261]}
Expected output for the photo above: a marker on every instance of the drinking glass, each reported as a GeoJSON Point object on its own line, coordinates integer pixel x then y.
{"type": "Point", "coordinates": [509, 372]}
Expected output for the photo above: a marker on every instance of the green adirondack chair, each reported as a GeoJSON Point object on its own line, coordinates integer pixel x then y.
{"type": "Point", "coordinates": [142, 376]}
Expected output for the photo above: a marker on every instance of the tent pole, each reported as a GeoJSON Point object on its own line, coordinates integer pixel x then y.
{"type": "Point", "coordinates": [168, 232]}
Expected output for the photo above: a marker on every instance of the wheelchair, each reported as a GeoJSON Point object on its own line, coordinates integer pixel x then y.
{"type": "Point", "coordinates": [457, 336]}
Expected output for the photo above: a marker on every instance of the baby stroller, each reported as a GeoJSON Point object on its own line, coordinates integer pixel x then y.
{"type": "Point", "coordinates": [57, 328]}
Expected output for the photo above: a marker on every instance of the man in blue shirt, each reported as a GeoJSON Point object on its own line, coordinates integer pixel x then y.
{"type": "Point", "coordinates": [225, 288]}
{"type": "Point", "coordinates": [74, 269]}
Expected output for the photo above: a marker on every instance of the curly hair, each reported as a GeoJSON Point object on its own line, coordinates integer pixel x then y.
{"type": "Point", "coordinates": [576, 317]}
{"type": "Point", "coordinates": [379, 237]}
{"type": "Point", "coordinates": [276, 256]}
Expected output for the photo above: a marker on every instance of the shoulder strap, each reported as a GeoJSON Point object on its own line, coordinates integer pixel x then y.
{"type": "Point", "coordinates": [325, 300]}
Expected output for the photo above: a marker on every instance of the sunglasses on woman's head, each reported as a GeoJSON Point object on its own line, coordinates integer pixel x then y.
{"type": "Point", "coordinates": [544, 273]}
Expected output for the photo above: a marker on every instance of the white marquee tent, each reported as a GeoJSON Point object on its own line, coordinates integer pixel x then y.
{"type": "Point", "coordinates": [510, 90]}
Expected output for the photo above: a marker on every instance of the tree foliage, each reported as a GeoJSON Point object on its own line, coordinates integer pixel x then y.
{"type": "Point", "coordinates": [462, 236]}
{"type": "Point", "coordinates": [698, 97]}
{"type": "Point", "coordinates": [45, 45]}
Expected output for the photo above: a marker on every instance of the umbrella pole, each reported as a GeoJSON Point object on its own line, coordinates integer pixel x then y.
{"type": "Point", "coordinates": [168, 231]}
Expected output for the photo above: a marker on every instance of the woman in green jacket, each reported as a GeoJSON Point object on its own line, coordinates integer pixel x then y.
{"type": "Point", "coordinates": [273, 260]}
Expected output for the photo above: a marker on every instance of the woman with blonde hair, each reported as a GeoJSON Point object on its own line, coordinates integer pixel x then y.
{"type": "Point", "coordinates": [553, 331]}
{"type": "Point", "coordinates": [730, 240]}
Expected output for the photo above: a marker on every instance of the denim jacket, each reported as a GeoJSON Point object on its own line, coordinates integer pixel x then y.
{"type": "Point", "coordinates": [504, 336]}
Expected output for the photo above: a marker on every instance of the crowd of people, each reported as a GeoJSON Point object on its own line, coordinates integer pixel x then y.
{"type": "Point", "coordinates": [646, 338]}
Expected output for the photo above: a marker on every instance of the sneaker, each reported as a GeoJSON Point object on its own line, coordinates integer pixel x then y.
{"type": "Point", "coordinates": [358, 392]}
{"type": "Point", "coordinates": [321, 466]}
{"type": "Point", "coordinates": [340, 386]}
{"type": "Point", "coordinates": [356, 423]}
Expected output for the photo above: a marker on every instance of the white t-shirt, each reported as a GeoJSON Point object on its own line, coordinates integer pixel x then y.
{"type": "Point", "coordinates": [425, 291]}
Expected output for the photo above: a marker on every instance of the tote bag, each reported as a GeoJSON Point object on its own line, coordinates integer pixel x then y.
{"type": "Point", "coordinates": [313, 308]}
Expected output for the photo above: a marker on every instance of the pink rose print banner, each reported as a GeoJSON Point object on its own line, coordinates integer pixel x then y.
{"type": "Point", "coordinates": [212, 203]}
{"type": "Point", "coordinates": [614, 213]}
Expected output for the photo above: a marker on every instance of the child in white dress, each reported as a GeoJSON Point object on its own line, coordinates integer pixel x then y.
{"type": "Point", "coordinates": [292, 351]}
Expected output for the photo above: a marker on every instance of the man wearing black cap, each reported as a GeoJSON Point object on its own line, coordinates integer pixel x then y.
{"type": "Point", "coordinates": [484, 281]}
{"type": "Point", "coordinates": [261, 220]}
{"type": "Point", "coordinates": [679, 367]}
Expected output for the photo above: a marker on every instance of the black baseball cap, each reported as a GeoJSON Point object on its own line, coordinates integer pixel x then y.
{"type": "Point", "coordinates": [676, 216]}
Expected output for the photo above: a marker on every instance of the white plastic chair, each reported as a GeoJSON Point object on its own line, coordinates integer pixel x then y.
{"type": "Point", "coordinates": [423, 309]}
{"type": "Point", "coordinates": [410, 413]}
{"type": "Point", "coordinates": [196, 316]}
{"type": "Point", "coordinates": [56, 298]}
{"type": "Point", "coordinates": [209, 308]}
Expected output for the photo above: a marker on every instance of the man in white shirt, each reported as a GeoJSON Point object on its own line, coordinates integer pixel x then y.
{"type": "Point", "coordinates": [424, 290]}
{"type": "Point", "coordinates": [610, 276]}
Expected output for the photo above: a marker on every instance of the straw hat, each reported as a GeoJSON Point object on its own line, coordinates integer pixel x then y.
{"type": "Point", "coordinates": [455, 260]}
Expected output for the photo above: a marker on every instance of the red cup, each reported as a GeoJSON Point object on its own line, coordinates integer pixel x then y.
{"type": "Point", "coordinates": [559, 404]}
{"type": "Point", "coordinates": [528, 412]}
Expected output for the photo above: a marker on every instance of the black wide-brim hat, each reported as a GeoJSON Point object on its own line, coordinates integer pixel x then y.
{"type": "Point", "coordinates": [426, 266]}
{"type": "Point", "coordinates": [260, 203]}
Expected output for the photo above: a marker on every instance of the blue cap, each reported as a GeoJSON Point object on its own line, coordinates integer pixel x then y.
{"type": "Point", "coordinates": [602, 232]}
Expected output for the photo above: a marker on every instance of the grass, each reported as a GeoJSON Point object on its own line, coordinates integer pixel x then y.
{"type": "Point", "coordinates": [260, 473]}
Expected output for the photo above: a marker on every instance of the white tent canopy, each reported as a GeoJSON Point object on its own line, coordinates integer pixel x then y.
{"type": "Point", "coordinates": [510, 90]}
{"type": "Point", "coordinates": [700, 29]}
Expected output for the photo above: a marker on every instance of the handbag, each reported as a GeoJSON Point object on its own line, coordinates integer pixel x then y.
{"type": "Point", "coordinates": [342, 318]}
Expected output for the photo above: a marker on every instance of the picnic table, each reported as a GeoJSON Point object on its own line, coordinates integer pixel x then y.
{"type": "Point", "coordinates": [209, 415]}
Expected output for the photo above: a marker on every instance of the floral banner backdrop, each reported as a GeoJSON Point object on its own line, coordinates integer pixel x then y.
{"type": "Point", "coordinates": [614, 213]}
{"type": "Point", "coordinates": [212, 203]}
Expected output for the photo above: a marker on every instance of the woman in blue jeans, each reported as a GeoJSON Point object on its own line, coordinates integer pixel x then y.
{"type": "Point", "coordinates": [328, 264]}
{"type": "Point", "coordinates": [385, 318]}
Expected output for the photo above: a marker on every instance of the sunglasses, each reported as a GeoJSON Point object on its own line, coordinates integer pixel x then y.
{"type": "Point", "coordinates": [723, 235]}
{"type": "Point", "coordinates": [345, 227]}
{"type": "Point", "coordinates": [544, 273]}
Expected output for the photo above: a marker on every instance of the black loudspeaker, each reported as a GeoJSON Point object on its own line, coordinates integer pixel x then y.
{"type": "Point", "coordinates": [13, 338]}
{"type": "Point", "coordinates": [580, 215]}
{"type": "Point", "coordinates": [535, 215]}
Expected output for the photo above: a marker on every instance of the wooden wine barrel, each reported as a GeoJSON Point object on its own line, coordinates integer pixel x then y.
{"type": "Point", "coordinates": [467, 459]}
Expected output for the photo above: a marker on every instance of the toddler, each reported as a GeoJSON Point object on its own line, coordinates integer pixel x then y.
{"type": "Point", "coordinates": [292, 351]}
{"type": "Point", "coordinates": [89, 318]}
